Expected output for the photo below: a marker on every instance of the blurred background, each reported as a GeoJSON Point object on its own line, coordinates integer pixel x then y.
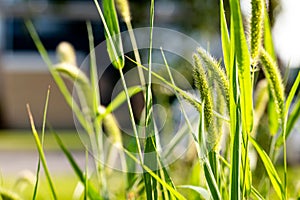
{"type": "Point", "coordinates": [24, 78]}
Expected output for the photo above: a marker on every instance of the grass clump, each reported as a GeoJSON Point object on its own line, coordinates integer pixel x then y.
{"type": "Point", "coordinates": [224, 94]}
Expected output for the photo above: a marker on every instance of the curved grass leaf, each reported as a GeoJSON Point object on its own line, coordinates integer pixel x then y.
{"type": "Point", "coordinates": [271, 171]}
{"type": "Point", "coordinates": [294, 115]}
{"type": "Point", "coordinates": [8, 195]}
{"type": "Point", "coordinates": [200, 190]}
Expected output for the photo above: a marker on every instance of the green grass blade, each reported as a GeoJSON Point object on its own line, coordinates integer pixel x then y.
{"type": "Point", "coordinates": [41, 153]}
{"type": "Point", "coordinates": [225, 37]}
{"type": "Point", "coordinates": [114, 43]}
{"type": "Point", "coordinates": [151, 141]}
{"type": "Point", "coordinates": [292, 119]}
{"type": "Point", "coordinates": [121, 98]}
{"type": "Point", "coordinates": [210, 180]}
{"type": "Point", "coordinates": [93, 69]}
{"type": "Point", "coordinates": [42, 143]}
{"type": "Point", "coordinates": [235, 159]}
{"type": "Point", "coordinates": [292, 94]}
{"type": "Point", "coordinates": [247, 176]}
{"type": "Point", "coordinates": [235, 147]}
{"type": "Point", "coordinates": [255, 193]}
{"type": "Point", "coordinates": [200, 190]}
{"type": "Point", "coordinates": [243, 62]}
{"type": "Point", "coordinates": [271, 171]}
{"type": "Point", "coordinates": [8, 195]}
{"type": "Point", "coordinates": [86, 182]}
{"type": "Point", "coordinates": [91, 191]}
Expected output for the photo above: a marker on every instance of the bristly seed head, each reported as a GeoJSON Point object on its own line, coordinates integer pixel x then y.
{"type": "Point", "coordinates": [256, 29]}
{"type": "Point", "coordinates": [66, 53]}
{"type": "Point", "coordinates": [217, 72]}
{"type": "Point", "coordinates": [124, 9]}
{"type": "Point", "coordinates": [201, 84]}
{"type": "Point", "coordinates": [111, 126]}
{"type": "Point", "coordinates": [273, 76]}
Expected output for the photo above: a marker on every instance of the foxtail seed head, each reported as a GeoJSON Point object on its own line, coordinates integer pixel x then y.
{"type": "Point", "coordinates": [80, 80]}
{"type": "Point", "coordinates": [124, 9]}
{"type": "Point", "coordinates": [274, 80]}
{"type": "Point", "coordinates": [202, 85]}
{"type": "Point", "coordinates": [256, 28]}
{"type": "Point", "coordinates": [73, 73]}
{"type": "Point", "coordinates": [111, 126]}
{"type": "Point", "coordinates": [217, 72]}
{"type": "Point", "coordinates": [66, 53]}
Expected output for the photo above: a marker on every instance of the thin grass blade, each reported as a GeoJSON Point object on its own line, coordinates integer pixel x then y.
{"type": "Point", "coordinates": [41, 154]}
{"type": "Point", "coordinates": [294, 115]}
{"type": "Point", "coordinates": [93, 69]}
{"type": "Point", "coordinates": [42, 143]}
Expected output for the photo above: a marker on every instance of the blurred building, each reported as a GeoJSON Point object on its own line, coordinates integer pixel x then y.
{"type": "Point", "coordinates": [24, 78]}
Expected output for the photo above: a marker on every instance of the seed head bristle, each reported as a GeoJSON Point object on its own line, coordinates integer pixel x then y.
{"type": "Point", "coordinates": [66, 53]}
{"type": "Point", "coordinates": [256, 28]}
{"type": "Point", "coordinates": [124, 9]}
{"type": "Point", "coordinates": [217, 73]}
{"type": "Point", "coordinates": [201, 84]}
{"type": "Point", "coordinates": [111, 126]}
{"type": "Point", "coordinates": [273, 76]}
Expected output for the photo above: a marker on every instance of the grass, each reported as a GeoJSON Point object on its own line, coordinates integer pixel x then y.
{"type": "Point", "coordinates": [226, 108]}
